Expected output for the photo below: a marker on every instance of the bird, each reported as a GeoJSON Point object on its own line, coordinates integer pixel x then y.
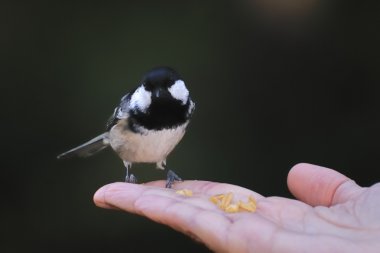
{"type": "Point", "coordinates": [147, 124]}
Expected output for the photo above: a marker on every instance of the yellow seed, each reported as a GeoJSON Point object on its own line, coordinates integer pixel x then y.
{"type": "Point", "coordinates": [251, 199]}
{"type": "Point", "coordinates": [226, 200]}
{"type": "Point", "coordinates": [214, 200]}
{"type": "Point", "coordinates": [185, 192]}
{"type": "Point", "coordinates": [233, 208]}
{"type": "Point", "coordinates": [250, 207]}
{"type": "Point", "coordinates": [225, 203]}
{"type": "Point", "coordinates": [220, 196]}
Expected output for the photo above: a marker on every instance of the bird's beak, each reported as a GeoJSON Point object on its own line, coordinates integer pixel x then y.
{"type": "Point", "coordinates": [160, 93]}
{"type": "Point", "coordinates": [157, 93]}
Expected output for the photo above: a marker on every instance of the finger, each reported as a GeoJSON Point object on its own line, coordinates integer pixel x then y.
{"type": "Point", "coordinates": [101, 195]}
{"type": "Point", "coordinates": [209, 188]}
{"type": "Point", "coordinates": [317, 185]}
{"type": "Point", "coordinates": [205, 187]}
{"type": "Point", "coordinates": [189, 215]}
{"type": "Point", "coordinates": [123, 196]}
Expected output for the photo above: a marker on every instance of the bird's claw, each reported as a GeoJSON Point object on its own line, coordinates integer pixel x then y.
{"type": "Point", "coordinates": [131, 179]}
{"type": "Point", "coordinates": [170, 178]}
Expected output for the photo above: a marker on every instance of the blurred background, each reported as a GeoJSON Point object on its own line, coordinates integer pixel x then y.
{"type": "Point", "coordinates": [276, 82]}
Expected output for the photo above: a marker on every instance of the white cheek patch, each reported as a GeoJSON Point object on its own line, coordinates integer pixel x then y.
{"type": "Point", "coordinates": [178, 91]}
{"type": "Point", "coordinates": [141, 99]}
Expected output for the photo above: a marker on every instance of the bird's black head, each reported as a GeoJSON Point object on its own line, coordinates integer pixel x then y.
{"type": "Point", "coordinates": [161, 101]}
{"type": "Point", "coordinates": [160, 78]}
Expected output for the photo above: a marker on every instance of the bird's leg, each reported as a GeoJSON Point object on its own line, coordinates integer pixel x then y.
{"type": "Point", "coordinates": [129, 178]}
{"type": "Point", "coordinates": [171, 176]}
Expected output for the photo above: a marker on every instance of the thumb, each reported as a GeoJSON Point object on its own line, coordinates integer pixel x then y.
{"type": "Point", "coordinates": [317, 185]}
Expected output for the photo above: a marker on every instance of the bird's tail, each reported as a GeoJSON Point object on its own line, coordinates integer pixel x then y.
{"type": "Point", "coordinates": [89, 148]}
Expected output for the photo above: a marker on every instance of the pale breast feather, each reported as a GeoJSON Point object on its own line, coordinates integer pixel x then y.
{"type": "Point", "coordinates": [145, 146]}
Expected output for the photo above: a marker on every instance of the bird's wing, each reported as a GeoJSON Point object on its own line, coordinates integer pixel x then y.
{"type": "Point", "coordinates": [113, 119]}
{"type": "Point", "coordinates": [120, 112]}
{"type": "Point", "coordinates": [89, 148]}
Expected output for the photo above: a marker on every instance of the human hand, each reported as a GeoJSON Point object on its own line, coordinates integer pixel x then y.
{"type": "Point", "coordinates": [333, 214]}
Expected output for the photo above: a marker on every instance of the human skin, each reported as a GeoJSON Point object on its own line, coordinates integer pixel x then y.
{"type": "Point", "coordinates": [332, 213]}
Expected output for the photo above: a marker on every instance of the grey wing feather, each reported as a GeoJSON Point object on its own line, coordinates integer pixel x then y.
{"type": "Point", "coordinates": [89, 148]}
{"type": "Point", "coordinates": [120, 112]}
{"type": "Point", "coordinates": [112, 120]}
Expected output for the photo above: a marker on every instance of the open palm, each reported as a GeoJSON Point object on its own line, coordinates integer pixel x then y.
{"type": "Point", "coordinates": [332, 214]}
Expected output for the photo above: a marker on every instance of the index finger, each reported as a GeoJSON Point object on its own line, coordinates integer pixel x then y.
{"type": "Point", "coordinates": [127, 193]}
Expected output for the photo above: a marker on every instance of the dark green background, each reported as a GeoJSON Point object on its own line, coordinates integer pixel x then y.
{"type": "Point", "coordinates": [274, 85]}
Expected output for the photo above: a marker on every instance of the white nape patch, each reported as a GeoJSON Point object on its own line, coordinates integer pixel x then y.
{"type": "Point", "coordinates": [178, 91]}
{"type": "Point", "coordinates": [141, 99]}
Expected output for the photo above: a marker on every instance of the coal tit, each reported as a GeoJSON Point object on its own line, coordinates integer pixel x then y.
{"type": "Point", "coordinates": [147, 125]}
